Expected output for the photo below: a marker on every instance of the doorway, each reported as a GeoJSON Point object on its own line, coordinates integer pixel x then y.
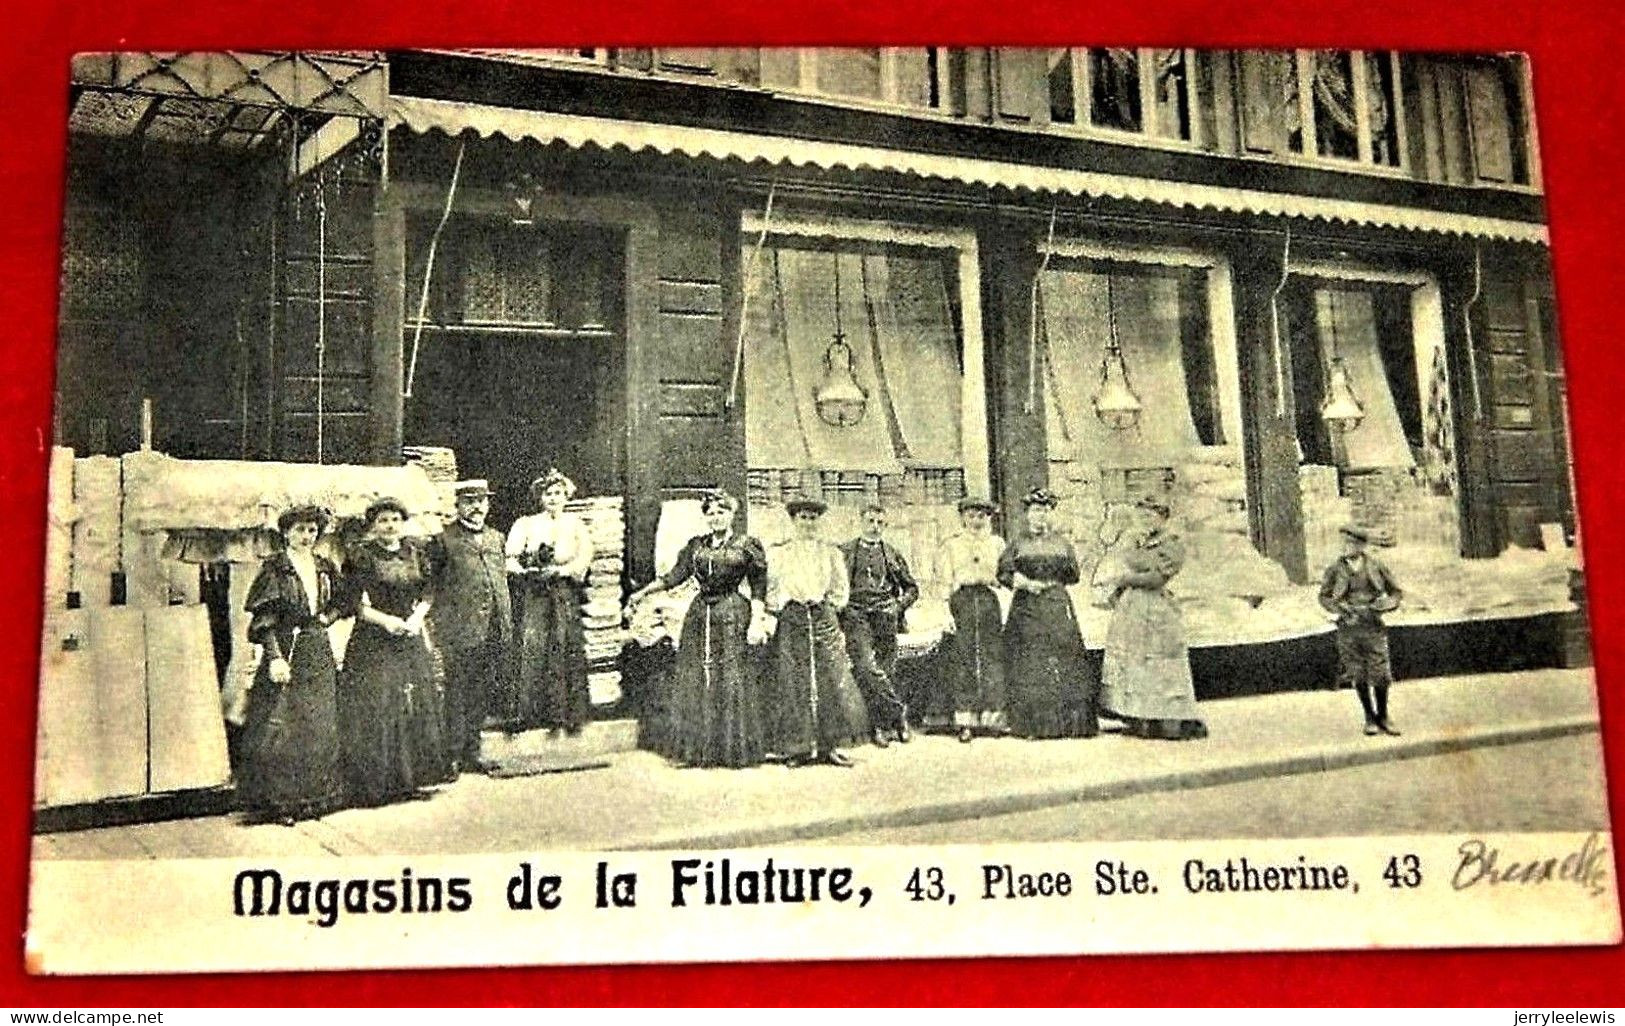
{"type": "Point", "coordinates": [521, 363]}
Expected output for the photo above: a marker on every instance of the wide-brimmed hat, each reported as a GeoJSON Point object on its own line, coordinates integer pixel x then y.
{"type": "Point", "coordinates": [718, 499]}
{"type": "Point", "coordinates": [383, 505]}
{"type": "Point", "coordinates": [303, 514]}
{"type": "Point", "coordinates": [475, 488]}
{"type": "Point", "coordinates": [554, 476]}
{"type": "Point", "coordinates": [796, 507]}
{"type": "Point", "coordinates": [1039, 497]}
{"type": "Point", "coordinates": [1359, 532]}
{"type": "Point", "coordinates": [971, 502]}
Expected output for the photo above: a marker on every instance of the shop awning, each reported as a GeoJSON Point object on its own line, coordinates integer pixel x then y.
{"type": "Point", "coordinates": [581, 132]}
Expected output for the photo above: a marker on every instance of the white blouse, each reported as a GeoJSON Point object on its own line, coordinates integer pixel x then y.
{"type": "Point", "coordinates": [305, 566]}
{"type": "Point", "coordinates": [972, 559]}
{"type": "Point", "coordinates": [802, 570]}
{"type": "Point", "coordinates": [565, 533]}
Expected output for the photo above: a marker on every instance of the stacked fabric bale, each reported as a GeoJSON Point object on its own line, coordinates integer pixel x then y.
{"type": "Point", "coordinates": [439, 465]}
{"type": "Point", "coordinates": [605, 519]}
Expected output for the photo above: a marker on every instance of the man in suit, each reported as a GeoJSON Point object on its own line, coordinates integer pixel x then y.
{"type": "Point", "coordinates": [1356, 590]}
{"type": "Point", "coordinates": [471, 621]}
{"type": "Point", "coordinates": [882, 590]}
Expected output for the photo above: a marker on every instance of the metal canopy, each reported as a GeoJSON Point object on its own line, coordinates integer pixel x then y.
{"type": "Point", "coordinates": [230, 99]}
{"type": "Point", "coordinates": [580, 132]}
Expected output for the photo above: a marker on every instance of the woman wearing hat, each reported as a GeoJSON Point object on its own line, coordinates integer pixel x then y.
{"type": "Point", "coordinates": [549, 554]}
{"type": "Point", "coordinates": [715, 705]}
{"type": "Point", "coordinates": [974, 650]}
{"type": "Point", "coordinates": [1050, 688]}
{"type": "Point", "coordinates": [814, 705]}
{"type": "Point", "coordinates": [290, 767]}
{"type": "Point", "coordinates": [1147, 673]}
{"type": "Point", "coordinates": [390, 707]}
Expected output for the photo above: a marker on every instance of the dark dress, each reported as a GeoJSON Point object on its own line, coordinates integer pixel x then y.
{"type": "Point", "coordinates": [1050, 686]}
{"type": "Point", "coordinates": [390, 702]}
{"type": "Point", "coordinates": [290, 733]}
{"type": "Point", "coordinates": [715, 707]}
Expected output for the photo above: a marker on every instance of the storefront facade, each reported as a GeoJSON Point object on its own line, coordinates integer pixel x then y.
{"type": "Point", "coordinates": [1233, 241]}
{"type": "Point", "coordinates": [646, 267]}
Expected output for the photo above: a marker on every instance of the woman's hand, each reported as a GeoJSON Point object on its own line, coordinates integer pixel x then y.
{"type": "Point", "coordinates": [280, 671]}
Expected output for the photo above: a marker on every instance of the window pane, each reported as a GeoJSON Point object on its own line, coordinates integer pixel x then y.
{"type": "Point", "coordinates": [1114, 79]}
{"type": "Point", "coordinates": [1173, 115]}
{"type": "Point", "coordinates": [1336, 131]}
{"type": "Point", "coordinates": [1382, 110]}
{"type": "Point", "coordinates": [1063, 107]}
{"type": "Point", "coordinates": [781, 67]}
{"type": "Point", "coordinates": [849, 71]}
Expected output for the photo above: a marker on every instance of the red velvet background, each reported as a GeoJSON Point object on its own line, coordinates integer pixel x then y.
{"type": "Point", "coordinates": [1580, 94]}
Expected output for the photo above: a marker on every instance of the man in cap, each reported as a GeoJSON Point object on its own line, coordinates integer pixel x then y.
{"type": "Point", "coordinates": [1356, 590]}
{"type": "Point", "coordinates": [882, 589]}
{"type": "Point", "coordinates": [471, 621]}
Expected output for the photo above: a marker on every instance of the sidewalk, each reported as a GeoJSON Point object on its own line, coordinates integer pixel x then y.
{"type": "Point", "coordinates": [641, 801]}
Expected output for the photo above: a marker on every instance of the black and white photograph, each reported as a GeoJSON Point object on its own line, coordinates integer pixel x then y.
{"type": "Point", "coordinates": [911, 501]}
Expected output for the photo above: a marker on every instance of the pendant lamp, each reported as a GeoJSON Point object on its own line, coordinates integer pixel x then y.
{"type": "Point", "coordinates": [840, 400]}
{"type": "Point", "coordinates": [1115, 404]}
{"type": "Point", "coordinates": [1341, 409]}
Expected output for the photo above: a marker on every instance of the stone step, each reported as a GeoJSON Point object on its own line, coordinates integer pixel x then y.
{"type": "Point", "coordinates": [595, 741]}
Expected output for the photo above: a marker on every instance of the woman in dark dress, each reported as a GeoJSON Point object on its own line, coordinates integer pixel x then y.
{"type": "Point", "coordinates": [390, 704]}
{"type": "Point", "coordinates": [290, 733]}
{"type": "Point", "coordinates": [549, 554]}
{"type": "Point", "coordinates": [715, 708]}
{"type": "Point", "coordinates": [1050, 688]}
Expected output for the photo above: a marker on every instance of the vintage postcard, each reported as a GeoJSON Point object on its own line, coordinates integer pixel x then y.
{"type": "Point", "coordinates": [607, 505]}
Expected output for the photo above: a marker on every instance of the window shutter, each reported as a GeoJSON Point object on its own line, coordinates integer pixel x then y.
{"type": "Point", "coordinates": [1491, 124]}
{"type": "Point", "coordinates": [637, 59]}
{"type": "Point", "coordinates": [1023, 93]}
{"type": "Point", "coordinates": [1263, 90]}
{"type": "Point", "coordinates": [912, 73]}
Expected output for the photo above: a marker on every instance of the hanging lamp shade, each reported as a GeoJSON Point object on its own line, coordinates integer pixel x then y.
{"type": "Point", "coordinates": [1341, 409]}
{"type": "Point", "coordinates": [840, 400]}
{"type": "Point", "coordinates": [1116, 404]}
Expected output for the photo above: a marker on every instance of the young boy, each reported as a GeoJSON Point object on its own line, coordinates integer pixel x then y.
{"type": "Point", "coordinates": [1357, 590]}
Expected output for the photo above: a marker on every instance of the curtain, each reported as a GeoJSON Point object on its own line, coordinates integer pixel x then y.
{"type": "Point", "coordinates": [1346, 319]}
{"type": "Point", "coordinates": [895, 316]}
{"type": "Point", "coordinates": [1149, 334]}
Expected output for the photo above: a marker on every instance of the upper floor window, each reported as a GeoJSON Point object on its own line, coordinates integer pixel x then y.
{"type": "Point", "coordinates": [918, 77]}
{"type": "Point", "coordinates": [1146, 91]}
{"type": "Point", "coordinates": [1333, 104]}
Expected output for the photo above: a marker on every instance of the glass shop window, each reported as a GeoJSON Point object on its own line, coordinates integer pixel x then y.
{"type": "Point", "coordinates": [1163, 332]}
{"type": "Point", "coordinates": [1144, 91]}
{"type": "Point", "coordinates": [495, 275]}
{"type": "Point", "coordinates": [884, 320]}
{"type": "Point", "coordinates": [1368, 329]}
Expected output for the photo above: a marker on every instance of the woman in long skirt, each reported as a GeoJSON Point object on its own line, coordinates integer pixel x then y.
{"type": "Point", "coordinates": [390, 702]}
{"type": "Point", "coordinates": [715, 708]}
{"type": "Point", "coordinates": [290, 733]}
{"type": "Point", "coordinates": [814, 705]}
{"type": "Point", "coordinates": [974, 651]}
{"type": "Point", "coordinates": [1050, 688]}
{"type": "Point", "coordinates": [549, 554]}
{"type": "Point", "coordinates": [1147, 671]}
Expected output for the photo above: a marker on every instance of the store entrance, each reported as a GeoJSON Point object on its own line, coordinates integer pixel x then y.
{"type": "Point", "coordinates": [521, 363]}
